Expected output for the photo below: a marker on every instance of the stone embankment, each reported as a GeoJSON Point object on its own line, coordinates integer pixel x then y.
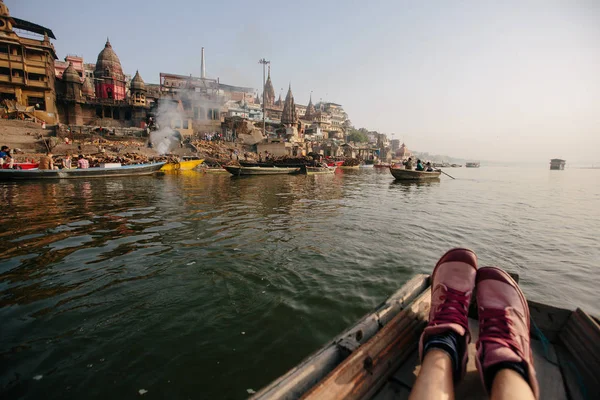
{"type": "Point", "coordinates": [30, 141]}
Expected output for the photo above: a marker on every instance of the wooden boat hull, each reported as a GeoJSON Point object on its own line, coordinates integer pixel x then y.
{"type": "Point", "coordinates": [402, 174]}
{"type": "Point", "coordinates": [36, 174]}
{"type": "Point", "coordinates": [237, 170]}
{"type": "Point", "coordinates": [182, 165]}
{"type": "Point", "coordinates": [318, 170]}
{"type": "Point", "coordinates": [349, 167]}
{"type": "Point", "coordinates": [381, 166]}
{"type": "Point", "coordinates": [378, 357]}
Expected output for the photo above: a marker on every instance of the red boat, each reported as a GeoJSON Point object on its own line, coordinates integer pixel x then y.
{"type": "Point", "coordinates": [335, 163]}
{"type": "Point", "coordinates": [25, 165]}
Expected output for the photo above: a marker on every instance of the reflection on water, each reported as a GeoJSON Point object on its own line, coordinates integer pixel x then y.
{"type": "Point", "coordinates": [111, 286]}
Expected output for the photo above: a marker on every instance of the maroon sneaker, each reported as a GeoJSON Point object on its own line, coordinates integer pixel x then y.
{"type": "Point", "coordinates": [503, 326]}
{"type": "Point", "coordinates": [452, 283]}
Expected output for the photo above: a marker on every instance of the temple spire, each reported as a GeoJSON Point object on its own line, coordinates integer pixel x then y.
{"type": "Point", "coordinates": [289, 116]}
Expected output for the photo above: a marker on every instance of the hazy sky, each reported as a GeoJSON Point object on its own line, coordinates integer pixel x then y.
{"type": "Point", "coordinates": [490, 80]}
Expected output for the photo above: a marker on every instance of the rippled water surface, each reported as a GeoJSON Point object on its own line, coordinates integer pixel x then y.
{"type": "Point", "coordinates": [204, 286]}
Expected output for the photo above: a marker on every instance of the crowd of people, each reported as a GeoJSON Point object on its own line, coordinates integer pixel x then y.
{"type": "Point", "coordinates": [229, 136]}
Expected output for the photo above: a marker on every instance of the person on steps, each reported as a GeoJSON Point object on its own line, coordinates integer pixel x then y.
{"type": "Point", "coordinates": [504, 358]}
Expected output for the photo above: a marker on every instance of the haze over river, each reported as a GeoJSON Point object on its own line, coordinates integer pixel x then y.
{"type": "Point", "coordinates": [205, 286]}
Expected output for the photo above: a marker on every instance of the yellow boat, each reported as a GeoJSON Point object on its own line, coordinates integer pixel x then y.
{"type": "Point", "coordinates": [185, 165]}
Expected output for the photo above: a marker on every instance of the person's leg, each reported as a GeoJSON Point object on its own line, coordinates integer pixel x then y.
{"type": "Point", "coordinates": [510, 385]}
{"type": "Point", "coordinates": [443, 344]}
{"type": "Point", "coordinates": [435, 378]}
{"type": "Point", "coordinates": [504, 358]}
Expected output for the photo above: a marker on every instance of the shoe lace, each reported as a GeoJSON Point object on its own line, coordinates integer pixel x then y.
{"type": "Point", "coordinates": [496, 326]}
{"type": "Point", "coordinates": [453, 309]}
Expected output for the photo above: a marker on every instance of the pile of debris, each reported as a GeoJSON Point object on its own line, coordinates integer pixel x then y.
{"type": "Point", "coordinates": [351, 162]}
{"type": "Point", "coordinates": [124, 159]}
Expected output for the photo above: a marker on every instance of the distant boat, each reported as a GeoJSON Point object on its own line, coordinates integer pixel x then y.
{"type": "Point", "coordinates": [238, 170]}
{"type": "Point", "coordinates": [307, 170]}
{"type": "Point", "coordinates": [402, 174]}
{"type": "Point", "coordinates": [472, 164]}
{"type": "Point", "coordinates": [96, 172]}
{"type": "Point", "coordinates": [557, 164]}
{"type": "Point", "coordinates": [184, 165]}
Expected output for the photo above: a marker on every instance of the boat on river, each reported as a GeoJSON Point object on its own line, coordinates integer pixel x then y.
{"type": "Point", "coordinates": [378, 358]}
{"type": "Point", "coordinates": [238, 170]}
{"type": "Point", "coordinates": [382, 165]}
{"type": "Point", "coordinates": [108, 171]}
{"type": "Point", "coordinates": [319, 170]}
{"type": "Point", "coordinates": [472, 164]}
{"type": "Point", "coordinates": [402, 174]}
{"type": "Point", "coordinates": [184, 165]}
{"type": "Point", "coordinates": [22, 165]}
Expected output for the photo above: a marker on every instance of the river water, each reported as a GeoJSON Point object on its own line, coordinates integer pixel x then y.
{"type": "Point", "coordinates": [205, 286]}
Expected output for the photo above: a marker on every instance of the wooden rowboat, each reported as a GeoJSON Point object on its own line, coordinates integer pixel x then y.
{"type": "Point", "coordinates": [238, 170]}
{"type": "Point", "coordinates": [109, 172]}
{"type": "Point", "coordinates": [402, 174]}
{"type": "Point", "coordinates": [377, 358]}
{"type": "Point", "coordinates": [307, 170]}
{"type": "Point", "coordinates": [185, 165]}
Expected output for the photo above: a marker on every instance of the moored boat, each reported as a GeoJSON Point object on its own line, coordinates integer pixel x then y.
{"type": "Point", "coordinates": [184, 165]}
{"type": "Point", "coordinates": [25, 165]}
{"type": "Point", "coordinates": [403, 174]}
{"type": "Point", "coordinates": [322, 170]}
{"type": "Point", "coordinates": [378, 358]}
{"type": "Point", "coordinates": [239, 170]}
{"type": "Point", "coordinates": [95, 172]}
{"type": "Point", "coordinates": [382, 165]}
{"type": "Point", "coordinates": [472, 164]}
{"type": "Point", "coordinates": [335, 163]}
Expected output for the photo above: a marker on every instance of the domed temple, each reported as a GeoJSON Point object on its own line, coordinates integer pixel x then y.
{"type": "Point", "coordinates": [101, 97]}
{"type": "Point", "coordinates": [110, 80]}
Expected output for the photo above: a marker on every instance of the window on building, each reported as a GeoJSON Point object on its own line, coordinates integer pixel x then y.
{"type": "Point", "coordinates": [177, 124]}
{"type": "Point", "coordinates": [99, 112]}
{"type": "Point", "coordinates": [7, 96]}
{"type": "Point", "coordinates": [3, 49]}
{"type": "Point", "coordinates": [127, 115]}
{"type": "Point", "coordinates": [37, 102]}
{"type": "Point", "coordinates": [17, 73]}
{"type": "Point", "coordinates": [185, 124]}
{"type": "Point", "coordinates": [4, 71]}
{"type": "Point", "coordinates": [196, 113]}
{"type": "Point", "coordinates": [36, 77]}
{"type": "Point", "coordinates": [109, 93]}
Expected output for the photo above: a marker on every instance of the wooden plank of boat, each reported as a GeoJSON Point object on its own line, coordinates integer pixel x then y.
{"type": "Point", "coordinates": [402, 174]}
{"type": "Point", "coordinates": [185, 165]}
{"type": "Point", "coordinates": [126, 170]}
{"type": "Point", "coordinates": [386, 363]}
{"type": "Point", "coordinates": [300, 379]}
{"type": "Point", "coordinates": [238, 170]}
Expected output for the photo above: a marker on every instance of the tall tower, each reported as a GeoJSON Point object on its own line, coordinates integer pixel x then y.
{"type": "Point", "coordinates": [203, 66]}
